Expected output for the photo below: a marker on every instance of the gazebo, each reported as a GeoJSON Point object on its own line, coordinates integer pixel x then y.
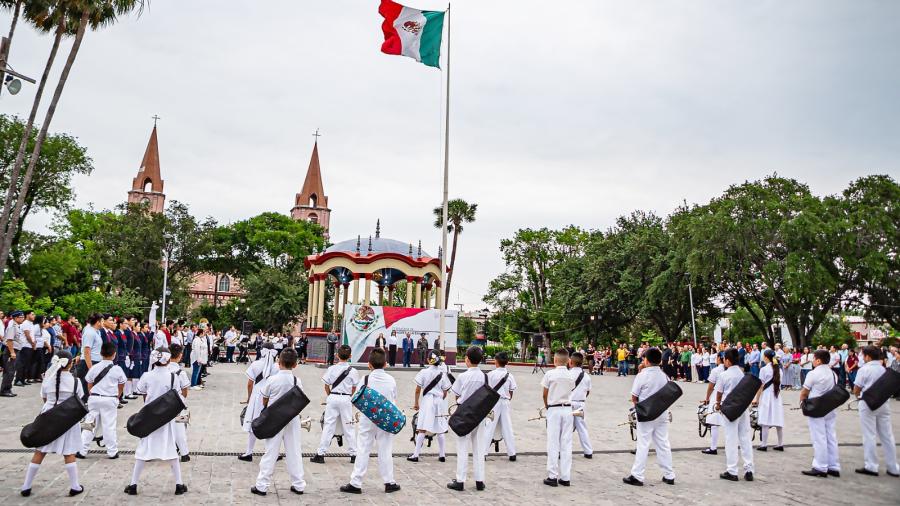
{"type": "Point", "coordinates": [366, 271]}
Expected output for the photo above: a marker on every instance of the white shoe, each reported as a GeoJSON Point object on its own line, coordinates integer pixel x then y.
{"type": "Point", "coordinates": [197, 388]}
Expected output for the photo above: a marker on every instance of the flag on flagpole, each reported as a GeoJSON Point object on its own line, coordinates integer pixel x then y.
{"type": "Point", "coordinates": [412, 32]}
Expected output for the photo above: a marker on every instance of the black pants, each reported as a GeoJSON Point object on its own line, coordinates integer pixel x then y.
{"type": "Point", "coordinates": [23, 364]}
{"type": "Point", "coordinates": [37, 363]}
{"type": "Point", "coordinates": [301, 353]}
{"type": "Point", "coordinates": [392, 355]}
{"type": "Point", "coordinates": [9, 369]}
{"type": "Point", "coordinates": [330, 355]}
{"type": "Point", "coordinates": [81, 370]}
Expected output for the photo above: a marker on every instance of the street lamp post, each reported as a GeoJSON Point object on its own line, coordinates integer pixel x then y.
{"type": "Point", "coordinates": [167, 239]}
{"type": "Point", "coordinates": [691, 297]}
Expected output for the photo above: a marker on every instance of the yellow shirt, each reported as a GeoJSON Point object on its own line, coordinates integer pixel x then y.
{"type": "Point", "coordinates": [622, 354]}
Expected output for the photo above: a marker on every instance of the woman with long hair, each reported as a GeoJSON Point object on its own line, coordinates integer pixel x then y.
{"type": "Point", "coordinates": [60, 385]}
{"type": "Point", "coordinates": [771, 409]}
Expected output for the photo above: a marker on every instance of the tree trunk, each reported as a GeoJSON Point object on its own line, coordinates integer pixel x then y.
{"type": "Point", "coordinates": [452, 263]}
{"type": "Point", "coordinates": [12, 219]}
{"type": "Point", "coordinates": [5, 219]}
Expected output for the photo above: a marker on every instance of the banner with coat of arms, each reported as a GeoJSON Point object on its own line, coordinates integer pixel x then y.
{"type": "Point", "coordinates": [363, 324]}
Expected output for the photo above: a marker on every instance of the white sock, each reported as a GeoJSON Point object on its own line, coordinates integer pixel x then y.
{"type": "Point", "coordinates": [441, 441]}
{"type": "Point", "coordinates": [30, 473]}
{"type": "Point", "coordinates": [251, 443]}
{"type": "Point", "coordinates": [136, 474]}
{"type": "Point", "coordinates": [176, 471]}
{"type": "Point", "coordinates": [72, 470]}
{"type": "Point", "coordinates": [420, 439]}
{"type": "Point", "coordinates": [780, 432]}
{"type": "Point", "coordinates": [764, 435]}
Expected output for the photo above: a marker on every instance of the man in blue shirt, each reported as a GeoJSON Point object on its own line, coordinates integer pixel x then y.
{"type": "Point", "coordinates": [753, 360]}
{"type": "Point", "coordinates": [408, 346]}
{"type": "Point", "coordinates": [90, 348]}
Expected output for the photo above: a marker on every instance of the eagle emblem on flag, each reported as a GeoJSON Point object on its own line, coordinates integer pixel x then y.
{"type": "Point", "coordinates": [413, 27]}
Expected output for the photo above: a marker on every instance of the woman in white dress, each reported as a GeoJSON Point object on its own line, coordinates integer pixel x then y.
{"type": "Point", "coordinates": [59, 384]}
{"type": "Point", "coordinates": [160, 444]}
{"type": "Point", "coordinates": [771, 409]}
{"type": "Point", "coordinates": [257, 374]}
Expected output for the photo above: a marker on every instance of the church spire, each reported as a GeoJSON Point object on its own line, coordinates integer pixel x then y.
{"type": "Point", "coordinates": [147, 185]}
{"type": "Point", "coordinates": [311, 204]}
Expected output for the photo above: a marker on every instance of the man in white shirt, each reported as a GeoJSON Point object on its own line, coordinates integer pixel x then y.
{"type": "Point", "coordinates": [159, 340]}
{"type": "Point", "coordinates": [875, 422]}
{"type": "Point", "coordinates": [558, 384]}
{"type": "Point", "coordinates": [502, 414]}
{"type": "Point", "coordinates": [711, 406]}
{"type": "Point", "coordinates": [340, 384]}
{"type": "Point", "coordinates": [13, 340]}
{"type": "Point", "coordinates": [24, 362]}
{"type": "Point", "coordinates": [103, 402]}
{"type": "Point", "coordinates": [465, 385]}
{"type": "Point", "coordinates": [369, 433]}
{"type": "Point", "coordinates": [649, 381]}
{"type": "Point", "coordinates": [231, 340]}
{"type": "Point", "coordinates": [737, 432]}
{"type": "Point", "coordinates": [580, 393]}
{"type": "Point", "coordinates": [822, 430]}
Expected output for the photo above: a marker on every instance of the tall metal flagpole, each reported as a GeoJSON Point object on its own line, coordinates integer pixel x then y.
{"type": "Point", "coordinates": [445, 212]}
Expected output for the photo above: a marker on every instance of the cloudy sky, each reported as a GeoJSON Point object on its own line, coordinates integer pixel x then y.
{"type": "Point", "coordinates": [562, 112]}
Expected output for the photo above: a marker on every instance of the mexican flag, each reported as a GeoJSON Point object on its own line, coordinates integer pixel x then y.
{"type": "Point", "coordinates": [411, 32]}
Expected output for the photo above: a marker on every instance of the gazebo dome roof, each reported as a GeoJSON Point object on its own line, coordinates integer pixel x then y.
{"type": "Point", "coordinates": [379, 245]}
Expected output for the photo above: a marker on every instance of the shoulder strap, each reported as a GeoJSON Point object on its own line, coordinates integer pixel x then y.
{"type": "Point", "coordinates": [295, 380]}
{"type": "Point", "coordinates": [102, 374]}
{"type": "Point", "coordinates": [579, 379]}
{"type": "Point", "coordinates": [340, 378]}
{"type": "Point", "coordinates": [366, 381]}
{"type": "Point", "coordinates": [172, 384]}
{"type": "Point", "coordinates": [259, 377]}
{"type": "Point", "coordinates": [501, 382]}
{"type": "Point", "coordinates": [767, 385]}
{"type": "Point", "coordinates": [433, 383]}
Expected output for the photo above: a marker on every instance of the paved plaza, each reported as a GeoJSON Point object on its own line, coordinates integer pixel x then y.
{"type": "Point", "coordinates": [214, 475]}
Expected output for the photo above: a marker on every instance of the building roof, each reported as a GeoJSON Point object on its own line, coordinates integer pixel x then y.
{"type": "Point", "coordinates": [150, 167]}
{"type": "Point", "coordinates": [379, 245]}
{"type": "Point", "coordinates": [312, 185]}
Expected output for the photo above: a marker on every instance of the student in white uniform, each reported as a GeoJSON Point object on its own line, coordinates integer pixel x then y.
{"type": "Point", "coordinates": [768, 398]}
{"type": "Point", "coordinates": [711, 406]}
{"type": "Point", "coordinates": [558, 385]}
{"type": "Point", "coordinates": [822, 430]}
{"type": "Point", "coordinates": [60, 384]}
{"type": "Point", "coordinates": [646, 383]}
{"type": "Point", "coordinates": [340, 382]}
{"type": "Point", "coordinates": [276, 386]}
{"type": "Point", "coordinates": [180, 428]}
{"type": "Point", "coordinates": [103, 402]}
{"type": "Point", "coordinates": [431, 386]}
{"type": "Point", "coordinates": [502, 413]}
{"type": "Point", "coordinates": [877, 422]}
{"type": "Point", "coordinates": [263, 367]}
{"type": "Point", "coordinates": [579, 398]}
{"type": "Point", "coordinates": [464, 386]}
{"type": "Point", "coordinates": [160, 444]}
{"type": "Point", "coordinates": [370, 434]}
{"type": "Point", "coordinates": [737, 433]}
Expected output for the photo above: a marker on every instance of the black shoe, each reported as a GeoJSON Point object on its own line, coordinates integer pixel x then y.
{"type": "Point", "coordinates": [863, 470]}
{"type": "Point", "coordinates": [123, 401]}
{"type": "Point", "coordinates": [442, 459]}
{"type": "Point", "coordinates": [728, 476]}
{"type": "Point", "coordinates": [120, 406]}
{"type": "Point", "coordinates": [391, 487]}
{"type": "Point", "coordinates": [748, 476]}
{"type": "Point", "coordinates": [778, 448]}
{"type": "Point", "coordinates": [895, 475]}
{"type": "Point", "coordinates": [669, 481]}
{"type": "Point", "coordinates": [456, 485]}
{"type": "Point", "coordinates": [565, 483]}
{"type": "Point", "coordinates": [296, 491]}
{"type": "Point", "coordinates": [131, 490]}
{"type": "Point", "coordinates": [20, 384]}
{"type": "Point", "coordinates": [254, 490]}
{"type": "Point", "coordinates": [836, 474]}
{"type": "Point", "coordinates": [631, 480]}
{"type": "Point", "coordinates": [114, 457]}
{"type": "Point", "coordinates": [412, 459]}
{"type": "Point", "coordinates": [350, 489]}
{"type": "Point", "coordinates": [79, 455]}
{"type": "Point", "coordinates": [479, 485]}
{"type": "Point", "coordinates": [317, 459]}
{"type": "Point", "coordinates": [246, 458]}
{"type": "Point", "coordinates": [551, 482]}
{"type": "Point", "coordinates": [710, 451]}
{"type": "Point", "coordinates": [588, 455]}
{"type": "Point", "coordinates": [353, 459]}
{"type": "Point", "coordinates": [25, 493]}
{"type": "Point", "coordinates": [180, 489]}
{"type": "Point", "coordinates": [762, 448]}
{"type": "Point", "coordinates": [185, 458]}
{"type": "Point", "coordinates": [8, 394]}
{"type": "Point", "coordinates": [816, 473]}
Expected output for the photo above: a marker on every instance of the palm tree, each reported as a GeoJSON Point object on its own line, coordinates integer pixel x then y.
{"type": "Point", "coordinates": [75, 15]}
{"type": "Point", "coordinates": [458, 212]}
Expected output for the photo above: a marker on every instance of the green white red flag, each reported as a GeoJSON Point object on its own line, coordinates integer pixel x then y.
{"type": "Point", "coordinates": [412, 32]}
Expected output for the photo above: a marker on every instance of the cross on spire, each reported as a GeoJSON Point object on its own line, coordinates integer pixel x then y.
{"type": "Point", "coordinates": [317, 135]}
{"type": "Point", "coordinates": [155, 118]}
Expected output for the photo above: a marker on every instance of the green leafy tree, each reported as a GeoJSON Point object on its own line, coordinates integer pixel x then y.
{"type": "Point", "coordinates": [14, 294]}
{"type": "Point", "coordinates": [465, 329]}
{"type": "Point", "coordinates": [834, 331]}
{"type": "Point", "coordinates": [82, 304]}
{"type": "Point", "coordinates": [275, 298]}
{"type": "Point", "coordinates": [458, 212]}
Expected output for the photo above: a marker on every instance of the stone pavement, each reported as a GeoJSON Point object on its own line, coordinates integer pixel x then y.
{"type": "Point", "coordinates": [214, 475]}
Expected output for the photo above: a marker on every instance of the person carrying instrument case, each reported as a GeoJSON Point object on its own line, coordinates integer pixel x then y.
{"type": "Point", "coordinates": [651, 394]}
{"type": "Point", "coordinates": [340, 384]}
{"type": "Point", "coordinates": [874, 385]}
{"type": "Point", "coordinates": [475, 398]}
{"type": "Point", "coordinates": [819, 400]}
{"type": "Point", "coordinates": [734, 393]}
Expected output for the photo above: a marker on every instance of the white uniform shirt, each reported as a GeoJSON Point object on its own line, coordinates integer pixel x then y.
{"type": "Point", "coordinates": [704, 359]}
{"type": "Point", "coordinates": [347, 384]}
{"type": "Point", "coordinates": [392, 340]}
{"type": "Point", "coordinates": [714, 374]}
{"type": "Point", "coordinates": [178, 338]}
{"type": "Point", "coordinates": [467, 383]}
{"type": "Point", "coordinates": [819, 380]}
{"type": "Point", "coordinates": [807, 361]}
{"type": "Point", "coordinates": [160, 340]}
{"type": "Point", "coordinates": [230, 338]}
{"type": "Point", "coordinates": [178, 370]}
{"type": "Point", "coordinates": [384, 384]}
{"type": "Point", "coordinates": [15, 334]}
{"type": "Point", "coordinates": [279, 384]}
{"type": "Point", "coordinates": [696, 359]}
{"type": "Point", "coordinates": [580, 392]}
{"type": "Point", "coordinates": [559, 384]}
{"type": "Point", "coordinates": [728, 379]}
{"type": "Point", "coordinates": [39, 336]}
{"type": "Point", "coordinates": [68, 385]}
{"type": "Point", "coordinates": [505, 389]}
{"type": "Point", "coordinates": [158, 381]}
{"type": "Point", "coordinates": [868, 374]}
{"type": "Point", "coordinates": [27, 327]}
{"type": "Point", "coordinates": [427, 375]}
{"type": "Point", "coordinates": [648, 382]}
{"type": "Point", "coordinates": [835, 360]}
{"type": "Point", "coordinates": [109, 384]}
{"type": "Point", "coordinates": [199, 352]}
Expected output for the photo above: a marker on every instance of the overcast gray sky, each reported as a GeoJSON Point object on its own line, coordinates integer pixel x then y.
{"type": "Point", "coordinates": [562, 112]}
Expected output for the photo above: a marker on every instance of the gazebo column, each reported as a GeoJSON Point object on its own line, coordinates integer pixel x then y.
{"type": "Point", "coordinates": [356, 288]}
{"type": "Point", "coordinates": [320, 301]}
{"type": "Point", "coordinates": [346, 294]}
{"type": "Point", "coordinates": [380, 295]}
{"type": "Point", "coordinates": [390, 295]}
{"type": "Point", "coordinates": [368, 294]}
{"type": "Point", "coordinates": [409, 290]}
{"type": "Point", "coordinates": [428, 296]}
{"type": "Point", "coordinates": [438, 295]}
{"type": "Point", "coordinates": [337, 301]}
{"type": "Point", "coordinates": [418, 292]}
{"type": "Point", "coordinates": [310, 302]}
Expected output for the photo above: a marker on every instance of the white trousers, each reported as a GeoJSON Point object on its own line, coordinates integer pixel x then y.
{"type": "Point", "coordinates": [824, 441]}
{"type": "Point", "coordinates": [338, 410]}
{"type": "Point", "coordinates": [559, 443]}
{"type": "Point", "coordinates": [370, 434]}
{"type": "Point", "coordinates": [581, 428]}
{"type": "Point", "coordinates": [714, 437]}
{"type": "Point", "coordinates": [290, 436]}
{"type": "Point", "coordinates": [503, 417]}
{"type": "Point", "coordinates": [181, 439]}
{"type": "Point", "coordinates": [474, 441]}
{"type": "Point", "coordinates": [104, 410]}
{"type": "Point", "coordinates": [878, 423]}
{"type": "Point", "coordinates": [737, 434]}
{"type": "Point", "coordinates": [657, 433]}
